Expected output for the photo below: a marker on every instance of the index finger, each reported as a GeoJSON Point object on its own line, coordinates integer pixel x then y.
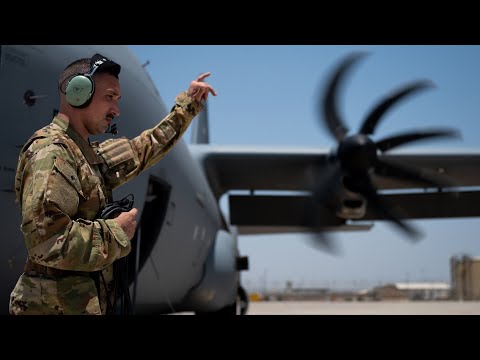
{"type": "Point", "coordinates": [203, 76]}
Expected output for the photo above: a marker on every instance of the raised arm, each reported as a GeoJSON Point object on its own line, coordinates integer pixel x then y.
{"type": "Point", "coordinates": [126, 158]}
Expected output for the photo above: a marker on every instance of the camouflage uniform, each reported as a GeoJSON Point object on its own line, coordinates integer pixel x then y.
{"type": "Point", "coordinates": [62, 183]}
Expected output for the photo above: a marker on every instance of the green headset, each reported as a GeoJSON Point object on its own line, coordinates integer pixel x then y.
{"type": "Point", "coordinates": [80, 89]}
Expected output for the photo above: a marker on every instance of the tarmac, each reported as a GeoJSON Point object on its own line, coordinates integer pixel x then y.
{"type": "Point", "coordinates": [364, 308]}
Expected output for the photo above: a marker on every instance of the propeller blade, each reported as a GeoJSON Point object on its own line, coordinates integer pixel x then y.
{"type": "Point", "coordinates": [395, 141]}
{"type": "Point", "coordinates": [316, 215]}
{"type": "Point", "coordinates": [373, 118]}
{"type": "Point", "coordinates": [408, 173]}
{"type": "Point", "coordinates": [317, 211]}
{"type": "Point", "coordinates": [334, 122]}
{"type": "Point", "coordinates": [327, 182]}
{"type": "Point", "coordinates": [325, 243]}
{"type": "Point", "coordinates": [380, 206]}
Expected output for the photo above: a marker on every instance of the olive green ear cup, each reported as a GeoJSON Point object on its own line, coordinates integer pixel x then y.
{"type": "Point", "coordinates": [79, 91]}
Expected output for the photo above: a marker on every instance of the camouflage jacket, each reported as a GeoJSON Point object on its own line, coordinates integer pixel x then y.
{"type": "Point", "coordinates": [62, 182]}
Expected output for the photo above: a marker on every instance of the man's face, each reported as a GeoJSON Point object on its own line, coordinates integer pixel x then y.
{"type": "Point", "coordinates": [100, 112]}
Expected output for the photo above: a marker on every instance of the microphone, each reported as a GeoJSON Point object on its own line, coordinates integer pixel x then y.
{"type": "Point", "coordinates": [112, 129]}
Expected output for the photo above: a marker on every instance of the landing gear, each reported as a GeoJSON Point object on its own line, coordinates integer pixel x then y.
{"type": "Point", "coordinates": [242, 301]}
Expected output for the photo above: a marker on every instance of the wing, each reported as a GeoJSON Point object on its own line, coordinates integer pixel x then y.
{"type": "Point", "coordinates": [361, 178]}
{"type": "Point", "coordinates": [269, 189]}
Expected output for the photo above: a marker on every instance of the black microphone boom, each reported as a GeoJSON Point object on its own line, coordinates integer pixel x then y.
{"type": "Point", "coordinates": [112, 129]}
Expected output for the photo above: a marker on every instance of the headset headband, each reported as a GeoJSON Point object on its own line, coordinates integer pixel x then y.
{"type": "Point", "coordinates": [95, 66]}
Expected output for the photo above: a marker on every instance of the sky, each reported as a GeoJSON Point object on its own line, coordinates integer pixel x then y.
{"type": "Point", "coordinates": [267, 96]}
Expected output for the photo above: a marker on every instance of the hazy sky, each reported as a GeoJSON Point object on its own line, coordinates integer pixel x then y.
{"type": "Point", "coordinates": [267, 96]}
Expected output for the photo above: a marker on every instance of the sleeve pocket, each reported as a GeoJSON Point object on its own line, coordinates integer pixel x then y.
{"type": "Point", "coordinates": [119, 157]}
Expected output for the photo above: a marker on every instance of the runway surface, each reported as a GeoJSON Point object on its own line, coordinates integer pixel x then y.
{"type": "Point", "coordinates": [363, 308]}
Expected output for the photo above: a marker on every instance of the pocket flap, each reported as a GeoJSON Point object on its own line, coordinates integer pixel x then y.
{"type": "Point", "coordinates": [117, 152]}
{"type": "Point", "coordinates": [69, 173]}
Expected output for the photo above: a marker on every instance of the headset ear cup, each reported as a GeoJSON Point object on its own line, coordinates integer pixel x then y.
{"type": "Point", "coordinates": [79, 91]}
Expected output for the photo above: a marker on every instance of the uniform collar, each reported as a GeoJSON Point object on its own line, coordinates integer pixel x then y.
{"type": "Point", "coordinates": [83, 145]}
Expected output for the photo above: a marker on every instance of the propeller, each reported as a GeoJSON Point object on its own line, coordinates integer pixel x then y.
{"type": "Point", "coordinates": [352, 166]}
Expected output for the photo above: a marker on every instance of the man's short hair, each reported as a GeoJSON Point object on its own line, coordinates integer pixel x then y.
{"type": "Point", "coordinates": [83, 66]}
